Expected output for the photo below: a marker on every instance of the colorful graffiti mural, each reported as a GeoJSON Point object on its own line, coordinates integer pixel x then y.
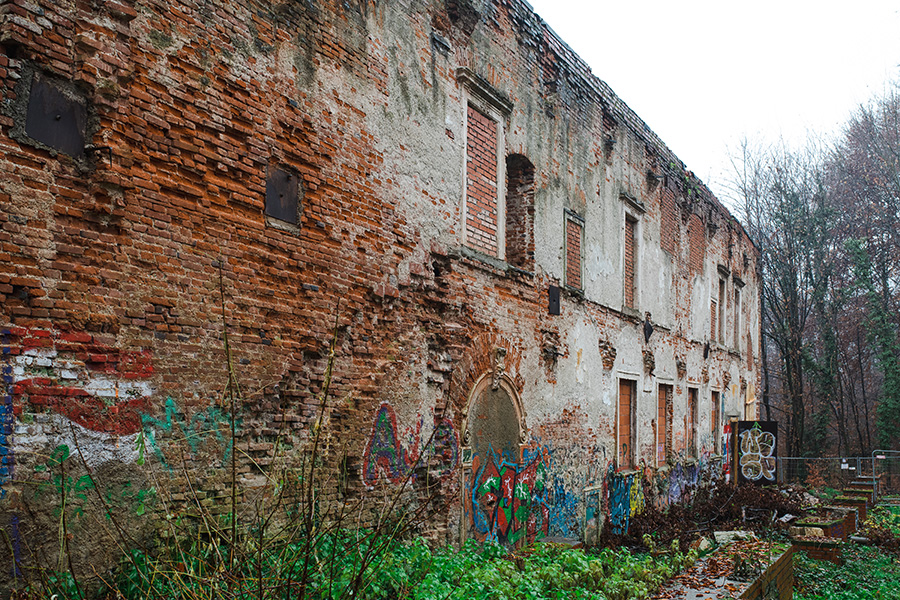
{"type": "Point", "coordinates": [757, 442]}
{"type": "Point", "coordinates": [385, 454]}
{"type": "Point", "coordinates": [625, 498]}
{"type": "Point", "coordinates": [508, 500]}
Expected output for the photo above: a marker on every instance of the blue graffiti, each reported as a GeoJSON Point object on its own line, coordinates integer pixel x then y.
{"type": "Point", "coordinates": [563, 509]}
{"type": "Point", "coordinates": [619, 501]}
{"type": "Point", "coordinates": [683, 479]}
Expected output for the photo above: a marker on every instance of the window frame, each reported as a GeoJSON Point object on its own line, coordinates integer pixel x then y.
{"type": "Point", "coordinates": [570, 216]}
{"type": "Point", "coordinates": [665, 393]}
{"type": "Point", "coordinates": [715, 400]}
{"type": "Point", "coordinates": [690, 422]}
{"type": "Point", "coordinates": [630, 454]}
{"type": "Point", "coordinates": [482, 97]}
{"type": "Point", "coordinates": [635, 258]}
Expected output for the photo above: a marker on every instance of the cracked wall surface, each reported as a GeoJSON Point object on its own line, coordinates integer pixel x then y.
{"type": "Point", "coordinates": [115, 264]}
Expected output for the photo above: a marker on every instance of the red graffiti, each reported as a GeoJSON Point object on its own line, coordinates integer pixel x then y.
{"type": "Point", "coordinates": [97, 386]}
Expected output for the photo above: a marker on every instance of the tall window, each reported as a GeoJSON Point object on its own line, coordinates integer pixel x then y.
{"type": "Point", "coordinates": [737, 318]}
{"type": "Point", "coordinates": [520, 212]}
{"type": "Point", "coordinates": [624, 424]}
{"type": "Point", "coordinates": [482, 176]}
{"type": "Point", "coordinates": [721, 311]}
{"type": "Point", "coordinates": [574, 238]}
{"type": "Point", "coordinates": [630, 261]}
{"type": "Point", "coordinates": [663, 420]}
{"type": "Point", "coordinates": [714, 420]}
{"type": "Point", "coordinates": [690, 422]}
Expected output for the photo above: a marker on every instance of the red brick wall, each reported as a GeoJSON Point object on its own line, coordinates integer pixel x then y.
{"type": "Point", "coordinates": [481, 182]}
{"type": "Point", "coordinates": [574, 231]}
{"type": "Point", "coordinates": [669, 226]}
{"type": "Point", "coordinates": [520, 212]}
{"type": "Point", "coordinates": [630, 258]}
{"type": "Point", "coordinates": [776, 582]}
{"type": "Point", "coordinates": [697, 242]}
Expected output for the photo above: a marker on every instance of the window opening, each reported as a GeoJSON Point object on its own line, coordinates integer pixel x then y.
{"type": "Point", "coordinates": [520, 212]}
{"type": "Point", "coordinates": [573, 255]}
{"type": "Point", "coordinates": [481, 182]}
{"type": "Point", "coordinates": [625, 428]}
{"type": "Point", "coordinates": [663, 423]}
{"type": "Point", "coordinates": [714, 420]}
{"type": "Point", "coordinates": [690, 422]}
{"type": "Point", "coordinates": [630, 261]}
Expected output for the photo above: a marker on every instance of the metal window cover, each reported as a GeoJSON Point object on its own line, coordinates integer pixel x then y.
{"type": "Point", "coordinates": [55, 118]}
{"type": "Point", "coordinates": [282, 195]}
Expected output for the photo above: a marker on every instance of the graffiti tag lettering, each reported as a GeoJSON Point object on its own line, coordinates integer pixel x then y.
{"type": "Point", "coordinates": [385, 454]}
{"type": "Point", "coordinates": [757, 458]}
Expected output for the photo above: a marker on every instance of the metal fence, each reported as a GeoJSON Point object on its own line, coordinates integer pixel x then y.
{"type": "Point", "coordinates": [840, 472]}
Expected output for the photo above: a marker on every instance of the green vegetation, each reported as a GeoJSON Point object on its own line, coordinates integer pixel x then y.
{"type": "Point", "coordinates": [867, 573]}
{"type": "Point", "coordinates": [403, 570]}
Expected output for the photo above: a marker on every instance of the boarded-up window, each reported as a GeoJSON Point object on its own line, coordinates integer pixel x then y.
{"type": "Point", "coordinates": [624, 425]}
{"type": "Point", "coordinates": [574, 237]}
{"type": "Point", "coordinates": [669, 223]}
{"type": "Point", "coordinates": [630, 261]}
{"type": "Point", "coordinates": [690, 428]}
{"type": "Point", "coordinates": [737, 318]}
{"type": "Point", "coordinates": [722, 312]}
{"type": "Point", "coordinates": [714, 420]}
{"type": "Point", "coordinates": [481, 182]}
{"type": "Point", "coordinates": [697, 243]}
{"type": "Point", "coordinates": [713, 319]}
{"type": "Point", "coordinates": [663, 423]}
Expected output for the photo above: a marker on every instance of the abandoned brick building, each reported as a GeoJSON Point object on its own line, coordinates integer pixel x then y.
{"type": "Point", "coordinates": [522, 284]}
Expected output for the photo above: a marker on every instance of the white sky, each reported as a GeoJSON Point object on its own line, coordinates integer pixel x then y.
{"type": "Point", "coordinates": [704, 74]}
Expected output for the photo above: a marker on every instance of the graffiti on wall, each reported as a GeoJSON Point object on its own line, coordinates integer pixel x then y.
{"type": "Point", "coordinates": [84, 390]}
{"type": "Point", "coordinates": [756, 453]}
{"type": "Point", "coordinates": [508, 500]}
{"type": "Point", "coordinates": [626, 498]}
{"type": "Point", "coordinates": [94, 385]}
{"type": "Point", "coordinates": [211, 424]}
{"type": "Point", "coordinates": [7, 420]}
{"type": "Point", "coordinates": [387, 456]}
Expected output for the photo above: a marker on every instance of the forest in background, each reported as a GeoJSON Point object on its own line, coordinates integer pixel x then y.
{"type": "Point", "coordinates": [825, 218]}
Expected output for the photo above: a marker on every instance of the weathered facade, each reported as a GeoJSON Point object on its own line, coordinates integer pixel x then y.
{"type": "Point", "coordinates": [500, 250]}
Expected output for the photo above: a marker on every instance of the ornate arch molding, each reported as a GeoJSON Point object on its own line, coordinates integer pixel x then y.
{"type": "Point", "coordinates": [496, 379]}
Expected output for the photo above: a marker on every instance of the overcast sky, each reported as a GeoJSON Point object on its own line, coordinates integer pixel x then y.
{"type": "Point", "coordinates": [704, 74]}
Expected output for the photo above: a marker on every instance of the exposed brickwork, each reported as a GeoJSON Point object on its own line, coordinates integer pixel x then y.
{"type": "Point", "coordinates": [696, 242]}
{"type": "Point", "coordinates": [776, 582]}
{"type": "Point", "coordinates": [669, 228]}
{"type": "Point", "coordinates": [481, 182]}
{"type": "Point", "coordinates": [520, 212]}
{"type": "Point", "coordinates": [133, 261]}
{"type": "Point", "coordinates": [630, 260]}
{"type": "Point", "coordinates": [574, 232]}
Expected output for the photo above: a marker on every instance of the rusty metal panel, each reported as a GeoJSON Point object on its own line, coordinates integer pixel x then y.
{"type": "Point", "coordinates": [282, 195]}
{"type": "Point", "coordinates": [55, 118]}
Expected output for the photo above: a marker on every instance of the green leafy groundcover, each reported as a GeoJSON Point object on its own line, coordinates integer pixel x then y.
{"type": "Point", "coordinates": [867, 573]}
{"type": "Point", "coordinates": [412, 570]}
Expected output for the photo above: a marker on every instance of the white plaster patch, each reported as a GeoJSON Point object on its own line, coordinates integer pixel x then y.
{"type": "Point", "coordinates": [96, 447]}
{"type": "Point", "coordinates": [105, 387]}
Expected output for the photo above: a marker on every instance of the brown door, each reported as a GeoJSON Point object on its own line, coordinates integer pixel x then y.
{"type": "Point", "coordinates": [625, 434]}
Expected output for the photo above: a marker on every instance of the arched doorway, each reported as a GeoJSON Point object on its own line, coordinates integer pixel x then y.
{"type": "Point", "coordinates": [504, 491]}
